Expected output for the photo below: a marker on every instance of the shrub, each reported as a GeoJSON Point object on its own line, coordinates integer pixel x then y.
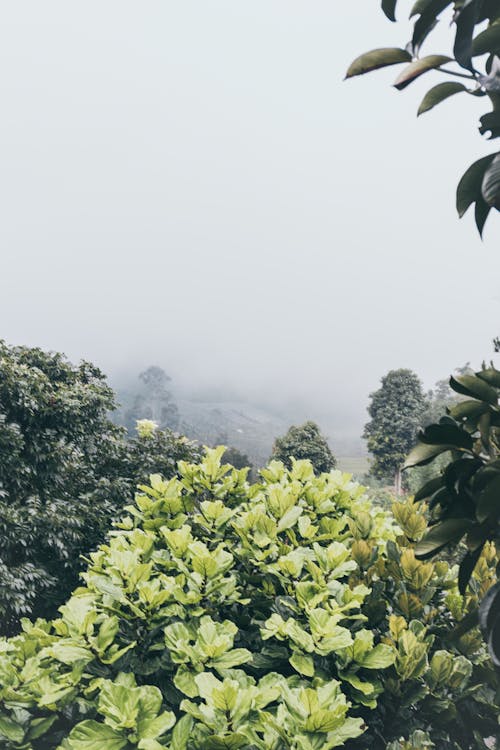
{"type": "Point", "coordinates": [304, 442]}
{"type": "Point", "coordinates": [286, 614]}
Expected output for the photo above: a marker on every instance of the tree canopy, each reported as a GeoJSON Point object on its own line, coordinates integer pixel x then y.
{"type": "Point", "coordinates": [472, 68]}
{"type": "Point", "coordinates": [304, 442]}
{"type": "Point", "coordinates": [65, 471]}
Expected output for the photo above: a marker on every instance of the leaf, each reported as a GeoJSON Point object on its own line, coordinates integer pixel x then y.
{"type": "Point", "coordinates": [481, 212]}
{"type": "Point", "coordinates": [488, 501]}
{"type": "Point", "coordinates": [428, 11]}
{"type": "Point", "coordinates": [389, 8]}
{"type": "Point", "coordinates": [181, 733]}
{"type": "Point", "coordinates": [438, 94]}
{"type": "Point", "coordinates": [488, 41]}
{"type": "Point", "coordinates": [490, 187]}
{"type": "Point", "coordinates": [380, 657]}
{"type": "Point", "coordinates": [446, 434]}
{"type": "Point", "coordinates": [377, 58]}
{"type": "Point", "coordinates": [467, 568]}
{"type": "Point", "coordinates": [11, 729]}
{"type": "Point", "coordinates": [472, 386]}
{"type": "Point", "coordinates": [490, 376]}
{"type": "Point", "coordinates": [465, 20]}
{"type": "Point", "coordinates": [90, 735]}
{"type": "Point", "coordinates": [442, 534]}
{"type": "Point", "coordinates": [429, 488]}
{"type": "Point", "coordinates": [489, 609]}
{"type": "Point", "coordinates": [468, 409]}
{"type": "Point", "coordinates": [418, 67]}
{"type": "Point", "coordinates": [302, 663]}
{"type": "Point", "coordinates": [423, 454]}
{"type": "Point", "coordinates": [69, 653]}
{"type": "Point", "coordinates": [469, 187]}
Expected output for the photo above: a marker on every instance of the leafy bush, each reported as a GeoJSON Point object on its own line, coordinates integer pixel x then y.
{"type": "Point", "coordinates": [285, 614]}
{"type": "Point", "coordinates": [65, 472]}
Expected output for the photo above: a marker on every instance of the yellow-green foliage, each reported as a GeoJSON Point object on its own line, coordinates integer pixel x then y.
{"type": "Point", "coordinates": [288, 614]}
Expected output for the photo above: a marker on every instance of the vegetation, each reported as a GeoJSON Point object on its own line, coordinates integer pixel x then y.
{"type": "Point", "coordinates": [304, 442]}
{"type": "Point", "coordinates": [472, 68]}
{"type": "Point", "coordinates": [464, 494]}
{"type": "Point", "coordinates": [397, 410]}
{"type": "Point", "coordinates": [154, 402]}
{"type": "Point", "coordinates": [65, 472]}
{"type": "Point", "coordinates": [287, 614]}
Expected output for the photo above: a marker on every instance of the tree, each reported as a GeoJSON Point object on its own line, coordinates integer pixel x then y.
{"type": "Point", "coordinates": [155, 402]}
{"type": "Point", "coordinates": [472, 68]}
{"type": "Point", "coordinates": [304, 442]}
{"type": "Point", "coordinates": [287, 614]}
{"type": "Point", "coordinates": [396, 410]}
{"type": "Point", "coordinates": [65, 472]}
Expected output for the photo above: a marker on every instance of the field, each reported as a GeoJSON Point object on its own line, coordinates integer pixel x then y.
{"type": "Point", "coordinates": [355, 465]}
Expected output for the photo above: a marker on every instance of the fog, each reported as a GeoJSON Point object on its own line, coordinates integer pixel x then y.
{"type": "Point", "coordinates": [191, 184]}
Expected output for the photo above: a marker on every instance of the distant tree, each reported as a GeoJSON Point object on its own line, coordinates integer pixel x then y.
{"type": "Point", "coordinates": [305, 441]}
{"type": "Point", "coordinates": [155, 402]}
{"type": "Point", "coordinates": [397, 411]}
{"type": "Point", "coordinates": [65, 472]}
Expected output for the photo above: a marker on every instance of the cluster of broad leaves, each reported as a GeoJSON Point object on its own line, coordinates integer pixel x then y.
{"type": "Point", "coordinates": [287, 614]}
{"type": "Point", "coordinates": [65, 472]}
{"type": "Point", "coordinates": [473, 67]}
{"type": "Point", "coordinates": [465, 494]}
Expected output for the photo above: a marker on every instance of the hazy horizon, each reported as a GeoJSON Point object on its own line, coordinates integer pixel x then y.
{"type": "Point", "coordinates": [193, 185]}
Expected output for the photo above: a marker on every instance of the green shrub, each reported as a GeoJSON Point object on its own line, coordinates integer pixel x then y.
{"type": "Point", "coordinates": [286, 614]}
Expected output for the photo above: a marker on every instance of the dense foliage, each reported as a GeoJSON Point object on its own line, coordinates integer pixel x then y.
{"type": "Point", "coordinates": [396, 410]}
{"type": "Point", "coordinates": [464, 494]}
{"type": "Point", "coordinates": [475, 62]}
{"type": "Point", "coordinates": [304, 442]}
{"type": "Point", "coordinates": [65, 472]}
{"type": "Point", "coordinates": [288, 614]}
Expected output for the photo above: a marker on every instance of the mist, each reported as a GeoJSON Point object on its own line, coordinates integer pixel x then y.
{"type": "Point", "coordinates": [192, 185]}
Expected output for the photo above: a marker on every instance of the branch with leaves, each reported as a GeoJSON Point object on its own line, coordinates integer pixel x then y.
{"type": "Point", "coordinates": [475, 61]}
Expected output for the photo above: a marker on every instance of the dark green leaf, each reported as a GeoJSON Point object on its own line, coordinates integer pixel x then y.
{"type": "Point", "coordinates": [491, 184]}
{"type": "Point", "coordinates": [418, 67]}
{"type": "Point", "coordinates": [423, 454]}
{"type": "Point", "coordinates": [426, 23]}
{"type": "Point", "coordinates": [429, 488]}
{"type": "Point", "coordinates": [468, 409]}
{"type": "Point", "coordinates": [442, 534]}
{"type": "Point", "coordinates": [467, 568]}
{"type": "Point", "coordinates": [490, 376]}
{"type": "Point", "coordinates": [438, 94]}
{"type": "Point", "coordinates": [469, 187]}
{"type": "Point", "coordinates": [465, 19]}
{"type": "Point", "coordinates": [487, 41]}
{"type": "Point", "coordinates": [489, 609]}
{"type": "Point", "coordinates": [377, 58]}
{"type": "Point", "coordinates": [474, 387]}
{"type": "Point", "coordinates": [389, 8]}
{"type": "Point", "coordinates": [481, 212]}
{"type": "Point", "coordinates": [488, 501]}
{"type": "Point", "coordinates": [421, 6]}
{"type": "Point", "coordinates": [446, 434]}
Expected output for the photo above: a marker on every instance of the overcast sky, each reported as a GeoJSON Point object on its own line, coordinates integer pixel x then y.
{"type": "Point", "coordinates": [191, 183]}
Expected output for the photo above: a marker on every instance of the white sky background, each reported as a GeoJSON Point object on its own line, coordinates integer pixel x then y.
{"type": "Point", "coordinates": [190, 183]}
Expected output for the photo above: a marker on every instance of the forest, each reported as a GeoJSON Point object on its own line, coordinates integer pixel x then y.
{"type": "Point", "coordinates": [191, 566]}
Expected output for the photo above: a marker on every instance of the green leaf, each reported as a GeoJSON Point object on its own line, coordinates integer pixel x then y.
{"type": "Point", "coordinates": [90, 735]}
{"type": "Point", "coordinates": [490, 187]}
{"type": "Point", "coordinates": [490, 376]}
{"type": "Point", "coordinates": [302, 663]}
{"type": "Point", "coordinates": [429, 488]}
{"type": "Point", "coordinates": [488, 501]}
{"type": "Point", "coordinates": [438, 94]}
{"type": "Point", "coordinates": [380, 657]}
{"type": "Point", "coordinates": [181, 733]}
{"type": "Point", "coordinates": [418, 67]}
{"type": "Point", "coordinates": [468, 409]}
{"type": "Point", "coordinates": [472, 386]}
{"type": "Point", "coordinates": [69, 653]}
{"type": "Point", "coordinates": [442, 534]}
{"type": "Point", "coordinates": [469, 187]}
{"type": "Point", "coordinates": [487, 42]}
{"type": "Point", "coordinates": [389, 8]}
{"type": "Point", "coordinates": [446, 434]}
{"type": "Point", "coordinates": [377, 58]}
{"type": "Point", "coordinates": [11, 729]}
{"type": "Point", "coordinates": [423, 454]}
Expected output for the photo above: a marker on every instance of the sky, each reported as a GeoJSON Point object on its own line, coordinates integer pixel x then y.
{"type": "Point", "coordinates": [191, 183]}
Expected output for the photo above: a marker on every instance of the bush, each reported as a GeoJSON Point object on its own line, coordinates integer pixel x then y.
{"type": "Point", "coordinates": [286, 614]}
